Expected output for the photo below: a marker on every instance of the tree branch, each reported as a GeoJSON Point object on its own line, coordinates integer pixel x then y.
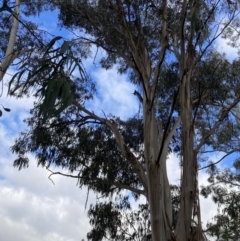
{"type": "Point", "coordinates": [214, 38]}
{"type": "Point", "coordinates": [136, 165]}
{"type": "Point", "coordinates": [119, 52]}
{"type": "Point", "coordinates": [224, 114]}
{"type": "Point", "coordinates": [116, 184]}
{"type": "Point", "coordinates": [212, 164]}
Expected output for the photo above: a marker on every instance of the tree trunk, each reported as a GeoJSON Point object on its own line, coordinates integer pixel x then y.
{"type": "Point", "coordinates": [158, 186]}
{"type": "Point", "coordinates": [189, 163]}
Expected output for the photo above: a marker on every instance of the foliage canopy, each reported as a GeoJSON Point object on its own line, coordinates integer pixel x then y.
{"type": "Point", "coordinates": [188, 94]}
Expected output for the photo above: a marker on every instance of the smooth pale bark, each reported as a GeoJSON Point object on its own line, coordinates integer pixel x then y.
{"type": "Point", "coordinates": [189, 171]}
{"type": "Point", "coordinates": [158, 185]}
{"type": "Point", "coordinates": [189, 163]}
{"type": "Point", "coordinates": [10, 55]}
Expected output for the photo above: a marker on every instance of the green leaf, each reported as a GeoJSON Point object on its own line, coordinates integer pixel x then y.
{"type": "Point", "coordinates": [193, 19]}
{"type": "Point", "coordinates": [53, 97]}
{"type": "Point", "coordinates": [52, 42]}
{"type": "Point", "coordinates": [47, 94]}
{"type": "Point", "coordinates": [35, 72]}
{"type": "Point", "coordinates": [65, 46]}
{"type": "Point", "coordinates": [66, 98]}
{"type": "Point", "coordinates": [74, 67]}
{"type": "Point", "coordinates": [19, 77]}
{"type": "Point", "coordinates": [6, 109]}
{"type": "Point", "coordinates": [24, 65]}
{"type": "Point", "coordinates": [64, 105]}
{"type": "Point", "coordinates": [11, 81]}
{"type": "Point", "coordinates": [49, 107]}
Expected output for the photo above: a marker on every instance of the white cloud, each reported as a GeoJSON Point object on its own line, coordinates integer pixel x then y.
{"type": "Point", "coordinates": [43, 210]}
{"type": "Point", "coordinates": [224, 48]}
{"type": "Point", "coordinates": [114, 94]}
{"type": "Point", "coordinates": [114, 91]}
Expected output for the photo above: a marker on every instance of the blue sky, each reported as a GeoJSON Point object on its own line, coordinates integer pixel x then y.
{"type": "Point", "coordinates": [31, 207]}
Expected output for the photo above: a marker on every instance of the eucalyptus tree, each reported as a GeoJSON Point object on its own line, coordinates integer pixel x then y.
{"type": "Point", "coordinates": [187, 95]}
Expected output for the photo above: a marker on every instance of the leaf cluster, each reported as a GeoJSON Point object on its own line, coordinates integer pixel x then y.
{"type": "Point", "coordinates": [51, 76]}
{"type": "Point", "coordinates": [224, 190]}
{"type": "Point", "coordinates": [78, 144]}
{"type": "Point", "coordinates": [112, 221]}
